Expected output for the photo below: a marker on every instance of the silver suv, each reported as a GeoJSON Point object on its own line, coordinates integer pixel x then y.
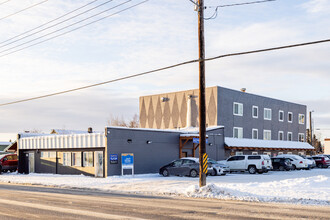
{"type": "Point", "coordinates": [251, 163]}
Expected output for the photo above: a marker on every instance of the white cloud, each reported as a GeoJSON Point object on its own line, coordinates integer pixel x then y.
{"type": "Point", "coordinates": [317, 6]}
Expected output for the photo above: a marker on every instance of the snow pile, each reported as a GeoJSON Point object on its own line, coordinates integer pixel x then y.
{"type": "Point", "coordinates": [310, 187]}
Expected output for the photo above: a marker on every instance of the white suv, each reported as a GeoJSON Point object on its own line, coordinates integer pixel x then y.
{"type": "Point", "coordinates": [297, 161]}
{"type": "Point", "coordinates": [251, 163]}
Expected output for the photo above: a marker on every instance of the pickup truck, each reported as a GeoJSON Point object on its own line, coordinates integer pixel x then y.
{"type": "Point", "coordinates": [250, 163]}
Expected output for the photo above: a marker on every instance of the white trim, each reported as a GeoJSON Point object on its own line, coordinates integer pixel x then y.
{"type": "Point", "coordinates": [279, 113]}
{"type": "Point", "coordinates": [268, 109]}
{"type": "Point", "coordinates": [240, 107]}
{"type": "Point", "coordinates": [255, 129]}
{"type": "Point", "coordinates": [287, 136]}
{"type": "Point", "coordinates": [239, 153]}
{"type": "Point", "coordinates": [254, 153]}
{"type": "Point", "coordinates": [268, 153]}
{"type": "Point", "coordinates": [280, 132]}
{"type": "Point", "coordinates": [291, 117]}
{"type": "Point", "coordinates": [301, 123]}
{"type": "Point", "coordinates": [253, 107]}
{"type": "Point", "coordinates": [303, 135]}
{"type": "Point", "coordinates": [238, 129]}
{"type": "Point", "coordinates": [267, 131]}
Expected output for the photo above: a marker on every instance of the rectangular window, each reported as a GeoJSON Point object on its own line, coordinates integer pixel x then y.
{"type": "Point", "coordinates": [47, 154]}
{"type": "Point", "coordinates": [254, 133]}
{"type": "Point", "coordinates": [255, 153]}
{"type": "Point", "coordinates": [281, 115]}
{"type": "Point", "coordinates": [301, 153]}
{"type": "Point", "coordinates": [267, 114]}
{"type": "Point", "coordinates": [66, 159]}
{"type": "Point", "coordinates": [238, 132]}
{"type": "Point", "coordinates": [88, 159]}
{"type": "Point", "coordinates": [289, 153]}
{"type": "Point", "coordinates": [289, 136]}
{"type": "Point", "coordinates": [239, 153]}
{"type": "Point", "coordinates": [267, 134]}
{"type": "Point", "coordinates": [301, 137]}
{"type": "Point", "coordinates": [238, 109]}
{"type": "Point", "coordinates": [76, 159]}
{"type": "Point", "coordinates": [280, 153]}
{"type": "Point", "coordinates": [280, 136]}
{"type": "Point", "coordinates": [290, 116]}
{"type": "Point", "coordinates": [255, 111]}
{"type": "Point", "coordinates": [268, 153]}
{"type": "Point", "coordinates": [301, 119]}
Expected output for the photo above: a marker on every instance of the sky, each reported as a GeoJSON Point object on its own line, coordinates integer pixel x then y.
{"type": "Point", "coordinates": [153, 35]}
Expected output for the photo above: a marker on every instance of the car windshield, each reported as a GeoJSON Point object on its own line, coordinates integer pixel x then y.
{"type": "Point", "coordinates": [211, 161]}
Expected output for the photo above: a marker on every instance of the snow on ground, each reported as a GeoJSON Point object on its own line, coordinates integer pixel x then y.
{"type": "Point", "coordinates": [310, 187]}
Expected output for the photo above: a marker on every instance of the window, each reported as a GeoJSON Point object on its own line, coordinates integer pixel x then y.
{"type": "Point", "coordinates": [47, 154]}
{"type": "Point", "coordinates": [188, 162]}
{"type": "Point", "coordinates": [280, 136]}
{"type": "Point", "coordinates": [254, 133]}
{"type": "Point", "coordinates": [76, 159]}
{"type": "Point", "coordinates": [254, 157]}
{"type": "Point", "coordinates": [268, 153]}
{"type": "Point", "coordinates": [290, 117]}
{"type": "Point", "coordinates": [289, 136]}
{"type": "Point", "coordinates": [66, 159]}
{"type": "Point", "coordinates": [88, 159]}
{"type": "Point", "coordinates": [255, 111]}
{"type": "Point", "coordinates": [238, 132]}
{"type": "Point", "coordinates": [240, 157]}
{"type": "Point", "coordinates": [238, 109]}
{"type": "Point", "coordinates": [255, 153]}
{"type": "Point", "coordinates": [267, 134]}
{"type": "Point", "coordinates": [301, 137]}
{"type": "Point", "coordinates": [239, 153]}
{"type": "Point", "coordinates": [280, 153]}
{"type": "Point", "coordinates": [289, 153]}
{"type": "Point", "coordinates": [267, 114]}
{"type": "Point", "coordinates": [301, 119]}
{"type": "Point", "coordinates": [281, 115]}
{"type": "Point", "coordinates": [301, 153]}
{"type": "Point", "coordinates": [176, 163]}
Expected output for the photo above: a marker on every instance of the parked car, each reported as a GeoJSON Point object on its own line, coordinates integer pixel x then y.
{"type": "Point", "coordinates": [310, 161]}
{"type": "Point", "coordinates": [250, 163]}
{"type": "Point", "coordinates": [327, 155]}
{"type": "Point", "coordinates": [218, 168]}
{"type": "Point", "coordinates": [297, 161]}
{"type": "Point", "coordinates": [186, 166]}
{"type": "Point", "coordinates": [8, 162]}
{"type": "Point", "coordinates": [281, 164]}
{"type": "Point", "coordinates": [322, 161]}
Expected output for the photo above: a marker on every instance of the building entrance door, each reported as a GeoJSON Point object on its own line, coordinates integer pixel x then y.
{"type": "Point", "coordinates": [99, 164]}
{"type": "Point", "coordinates": [31, 163]}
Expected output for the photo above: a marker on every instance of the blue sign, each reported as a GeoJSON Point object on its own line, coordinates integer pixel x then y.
{"type": "Point", "coordinates": [113, 158]}
{"type": "Point", "coordinates": [196, 140]}
{"type": "Point", "coordinates": [127, 160]}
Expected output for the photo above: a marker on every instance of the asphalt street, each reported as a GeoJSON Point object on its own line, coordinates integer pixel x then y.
{"type": "Point", "coordinates": [36, 202]}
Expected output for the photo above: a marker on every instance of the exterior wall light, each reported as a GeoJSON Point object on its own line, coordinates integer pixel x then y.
{"type": "Point", "coordinates": [210, 144]}
{"type": "Point", "coordinates": [149, 142]}
{"type": "Point", "coordinates": [129, 141]}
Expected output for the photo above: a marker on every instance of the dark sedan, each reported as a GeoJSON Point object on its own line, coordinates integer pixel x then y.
{"type": "Point", "coordinates": [186, 166]}
{"type": "Point", "coordinates": [281, 164]}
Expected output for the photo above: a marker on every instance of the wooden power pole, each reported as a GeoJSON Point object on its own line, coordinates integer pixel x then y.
{"type": "Point", "coordinates": [202, 104]}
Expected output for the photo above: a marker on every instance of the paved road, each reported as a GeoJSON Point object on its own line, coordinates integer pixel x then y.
{"type": "Point", "coordinates": [32, 202]}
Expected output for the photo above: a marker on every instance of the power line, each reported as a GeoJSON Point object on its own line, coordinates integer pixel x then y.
{"type": "Point", "coordinates": [23, 10]}
{"type": "Point", "coordinates": [48, 22]}
{"type": "Point", "coordinates": [34, 33]}
{"type": "Point", "coordinates": [215, 14]}
{"type": "Point", "coordinates": [79, 27]}
{"type": "Point", "coordinates": [4, 2]}
{"type": "Point", "coordinates": [168, 67]}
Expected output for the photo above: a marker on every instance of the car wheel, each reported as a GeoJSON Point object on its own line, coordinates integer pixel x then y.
{"type": "Point", "coordinates": [294, 167]}
{"type": "Point", "coordinates": [214, 172]}
{"type": "Point", "coordinates": [193, 173]}
{"type": "Point", "coordinates": [165, 172]}
{"type": "Point", "coordinates": [252, 169]}
{"type": "Point", "coordinates": [319, 165]}
{"type": "Point", "coordinates": [281, 168]}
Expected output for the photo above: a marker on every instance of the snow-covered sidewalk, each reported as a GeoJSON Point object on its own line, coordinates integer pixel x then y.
{"type": "Point", "coordinates": [310, 187]}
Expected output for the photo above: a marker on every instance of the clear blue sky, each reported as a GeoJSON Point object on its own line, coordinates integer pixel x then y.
{"type": "Point", "coordinates": [156, 34]}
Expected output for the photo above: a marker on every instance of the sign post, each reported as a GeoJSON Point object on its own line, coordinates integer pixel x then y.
{"type": "Point", "coordinates": [127, 162]}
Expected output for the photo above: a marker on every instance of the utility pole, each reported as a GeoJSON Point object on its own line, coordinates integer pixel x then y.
{"type": "Point", "coordinates": [310, 128]}
{"type": "Point", "coordinates": [202, 104]}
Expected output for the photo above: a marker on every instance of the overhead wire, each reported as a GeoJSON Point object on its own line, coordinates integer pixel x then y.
{"type": "Point", "coordinates": [24, 9]}
{"type": "Point", "coordinates": [4, 2]}
{"type": "Point", "coordinates": [56, 24]}
{"type": "Point", "coordinates": [79, 27]}
{"type": "Point", "coordinates": [215, 14]}
{"type": "Point", "coordinates": [168, 67]}
{"type": "Point", "coordinates": [70, 12]}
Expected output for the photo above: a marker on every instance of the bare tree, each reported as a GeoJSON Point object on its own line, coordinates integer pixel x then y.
{"type": "Point", "coordinates": [121, 122]}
